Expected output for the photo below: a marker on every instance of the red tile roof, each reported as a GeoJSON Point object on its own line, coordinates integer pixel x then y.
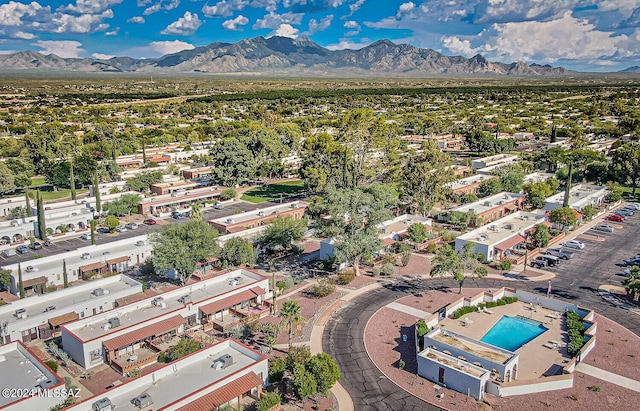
{"type": "Point", "coordinates": [63, 319]}
{"type": "Point", "coordinates": [144, 332]}
{"type": "Point", "coordinates": [257, 291]}
{"type": "Point", "coordinates": [34, 281]}
{"type": "Point", "coordinates": [224, 394]}
{"type": "Point", "coordinates": [232, 300]}
{"type": "Point", "coordinates": [507, 244]}
{"type": "Point", "coordinates": [119, 260]}
{"type": "Point", "coordinates": [92, 266]}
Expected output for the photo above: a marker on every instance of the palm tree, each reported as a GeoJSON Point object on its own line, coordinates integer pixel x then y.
{"type": "Point", "coordinates": [196, 212]}
{"type": "Point", "coordinates": [290, 314]}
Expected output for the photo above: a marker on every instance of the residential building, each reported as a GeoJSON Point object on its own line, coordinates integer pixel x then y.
{"type": "Point", "coordinates": [254, 219]}
{"type": "Point", "coordinates": [198, 172]}
{"type": "Point", "coordinates": [501, 238]}
{"type": "Point", "coordinates": [9, 203]}
{"type": "Point", "coordinates": [209, 379]}
{"type": "Point", "coordinates": [497, 160]}
{"type": "Point", "coordinates": [163, 204]}
{"type": "Point", "coordinates": [131, 336]}
{"type": "Point", "coordinates": [537, 177]}
{"type": "Point", "coordinates": [469, 185]}
{"type": "Point", "coordinates": [23, 371]}
{"type": "Point", "coordinates": [581, 195]}
{"type": "Point", "coordinates": [171, 187]}
{"type": "Point", "coordinates": [493, 207]}
{"type": "Point", "coordinates": [40, 316]}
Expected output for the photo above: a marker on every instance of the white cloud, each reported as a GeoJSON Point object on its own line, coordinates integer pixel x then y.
{"type": "Point", "coordinates": [161, 5]}
{"type": "Point", "coordinates": [351, 25]}
{"type": "Point", "coordinates": [61, 48]}
{"type": "Point", "coordinates": [13, 13]}
{"type": "Point", "coordinates": [224, 8]}
{"type": "Point", "coordinates": [274, 21]}
{"type": "Point", "coordinates": [566, 38]}
{"type": "Point", "coordinates": [286, 30]}
{"type": "Point", "coordinates": [268, 5]}
{"type": "Point", "coordinates": [101, 56]}
{"type": "Point", "coordinates": [169, 47]}
{"type": "Point", "coordinates": [184, 26]}
{"type": "Point", "coordinates": [86, 23]}
{"type": "Point", "coordinates": [90, 6]}
{"type": "Point", "coordinates": [315, 26]}
{"type": "Point", "coordinates": [113, 32]}
{"type": "Point", "coordinates": [136, 19]}
{"type": "Point", "coordinates": [234, 23]}
{"type": "Point", "coordinates": [23, 35]}
{"type": "Point", "coordinates": [348, 44]}
{"type": "Point", "coordinates": [356, 6]}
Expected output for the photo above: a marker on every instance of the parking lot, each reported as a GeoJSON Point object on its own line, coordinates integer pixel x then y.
{"type": "Point", "coordinates": [69, 244]}
{"type": "Point", "coordinates": [600, 262]}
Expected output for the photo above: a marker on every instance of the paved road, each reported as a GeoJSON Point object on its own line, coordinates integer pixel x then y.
{"type": "Point", "coordinates": [60, 246]}
{"type": "Point", "coordinates": [369, 389]}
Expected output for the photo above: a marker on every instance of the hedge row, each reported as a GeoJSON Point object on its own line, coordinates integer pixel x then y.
{"type": "Point", "coordinates": [575, 329]}
{"type": "Point", "coordinates": [490, 304]}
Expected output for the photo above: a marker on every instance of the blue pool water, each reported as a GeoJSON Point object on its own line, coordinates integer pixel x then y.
{"type": "Point", "coordinates": [512, 333]}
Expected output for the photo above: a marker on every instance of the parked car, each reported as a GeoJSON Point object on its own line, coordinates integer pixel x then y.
{"type": "Point", "coordinates": [86, 236]}
{"type": "Point", "coordinates": [49, 308]}
{"type": "Point", "coordinates": [559, 252]}
{"type": "Point", "coordinates": [218, 206]}
{"type": "Point", "coordinates": [46, 243]}
{"type": "Point", "coordinates": [176, 214]}
{"type": "Point", "coordinates": [574, 244]}
{"type": "Point", "coordinates": [103, 230]}
{"type": "Point", "coordinates": [35, 246]}
{"type": "Point", "coordinates": [32, 269]}
{"type": "Point", "coordinates": [536, 263]}
{"type": "Point", "coordinates": [85, 256]}
{"type": "Point", "coordinates": [624, 213]}
{"type": "Point", "coordinates": [603, 227]}
{"type": "Point", "coordinates": [150, 221]}
{"type": "Point", "coordinates": [131, 226]}
{"type": "Point", "coordinates": [629, 209]}
{"type": "Point", "coordinates": [22, 249]}
{"type": "Point", "coordinates": [121, 229]}
{"type": "Point", "coordinates": [615, 217]}
{"type": "Point", "coordinates": [634, 205]}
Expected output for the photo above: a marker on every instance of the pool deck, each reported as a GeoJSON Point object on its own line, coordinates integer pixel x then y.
{"type": "Point", "coordinates": [535, 359]}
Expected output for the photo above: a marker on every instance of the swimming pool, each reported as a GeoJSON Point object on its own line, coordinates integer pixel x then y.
{"type": "Point", "coordinates": [512, 333]}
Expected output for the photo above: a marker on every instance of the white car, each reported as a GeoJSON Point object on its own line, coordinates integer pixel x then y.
{"type": "Point", "coordinates": [131, 226]}
{"type": "Point", "coordinates": [603, 227]}
{"type": "Point", "coordinates": [32, 269]}
{"type": "Point", "coordinates": [85, 236]}
{"type": "Point", "coordinates": [574, 244]}
{"type": "Point", "coordinates": [121, 229]}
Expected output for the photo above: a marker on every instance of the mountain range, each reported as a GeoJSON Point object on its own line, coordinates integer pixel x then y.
{"type": "Point", "coordinates": [286, 56]}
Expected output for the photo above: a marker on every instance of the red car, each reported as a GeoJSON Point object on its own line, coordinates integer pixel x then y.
{"type": "Point", "coordinates": [615, 217]}
{"type": "Point", "coordinates": [150, 221]}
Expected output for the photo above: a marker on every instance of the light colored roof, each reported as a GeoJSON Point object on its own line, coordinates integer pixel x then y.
{"type": "Point", "coordinates": [227, 302]}
{"type": "Point", "coordinates": [144, 332]}
{"type": "Point", "coordinates": [489, 203]}
{"type": "Point", "coordinates": [225, 393]}
{"type": "Point", "coordinates": [503, 229]}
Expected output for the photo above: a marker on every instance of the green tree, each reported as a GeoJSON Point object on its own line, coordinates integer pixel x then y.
{"type": "Point", "coordinates": [180, 247]}
{"type": "Point", "coordinates": [142, 181]}
{"type": "Point", "coordinates": [459, 219]}
{"type": "Point", "coordinates": [65, 276]}
{"type": "Point", "coordinates": [5, 278]}
{"type": "Point", "coordinates": [183, 348]}
{"type": "Point", "coordinates": [96, 193]}
{"type": "Point", "coordinates": [92, 228]}
{"type": "Point", "coordinates": [425, 176]}
{"type": "Point", "coordinates": [268, 401]}
{"type": "Point", "coordinates": [126, 205]}
{"type": "Point", "coordinates": [537, 193]}
{"type": "Point", "coordinates": [277, 369]}
{"type": "Point", "coordinates": [625, 165]}
{"type": "Point", "coordinates": [237, 251]}
{"type": "Point", "coordinates": [232, 162]}
{"type": "Point", "coordinates": [632, 283]}
{"type": "Point", "coordinates": [564, 216]}
{"type": "Point", "coordinates": [304, 383]}
{"type": "Point", "coordinates": [228, 194]}
{"type": "Point", "coordinates": [325, 371]}
{"type": "Point", "coordinates": [490, 187]}
{"type": "Point", "coordinates": [111, 222]}
{"type": "Point", "coordinates": [325, 163]}
{"type": "Point", "coordinates": [421, 330]}
{"type": "Point", "coordinates": [418, 233]}
{"type": "Point", "coordinates": [20, 283]}
{"type": "Point", "coordinates": [72, 180]}
{"type": "Point", "coordinates": [27, 204]}
{"type": "Point", "coordinates": [540, 236]}
{"type": "Point", "coordinates": [291, 314]}
{"type": "Point", "coordinates": [196, 211]}
{"type": "Point", "coordinates": [7, 179]}
{"type": "Point", "coordinates": [282, 232]}
{"type": "Point", "coordinates": [42, 228]}
{"type": "Point", "coordinates": [448, 262]}
{"type": "Point", "coordinates": [589, 211]}
{"type": "Point", "coordinates": [299, 354]}
{"type": "Point", "coordinates": [615, 192]}
{"type": "Point", "coordinates": [511, 177]}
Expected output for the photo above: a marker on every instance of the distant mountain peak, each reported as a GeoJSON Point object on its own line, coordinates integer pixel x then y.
{"type": "Point", "coordinates": [286, 56]}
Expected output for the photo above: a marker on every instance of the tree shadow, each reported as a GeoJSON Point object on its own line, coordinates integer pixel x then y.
{"type": "Point", "coordinates": [407, 349]}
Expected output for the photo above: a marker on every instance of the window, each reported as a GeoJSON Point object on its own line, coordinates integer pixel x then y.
{"type": "Point", "coordinates": [95, 355]}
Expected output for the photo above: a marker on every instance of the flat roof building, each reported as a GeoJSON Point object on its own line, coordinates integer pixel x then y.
{"type": "Point", "coordinates": [253, 219]}
{"type": "Point", "coordinates": [21, 371]}
{"type": "Point", "coordinates": [501, 237]}
{"type": "Point", "coordinates": [40, 316]}
{"type": "Point", "coordinates": [497, 160]}
{"type": "Point", "coordinates": [581, 195]}
{"type": "Point", "coordinates": [469, 185]}
{"type": "Point", "coordinates": [131, 336]}
{"type": "Point", "coordinates": [494, 207]}
{"type": "Point", "coordinates": [199, 381]}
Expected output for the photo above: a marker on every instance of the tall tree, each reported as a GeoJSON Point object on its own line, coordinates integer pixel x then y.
{"type": "Point", "coordinates": [325, 370]}
{"type": "Point", "coordinates": [232, 162]}
{"type": "Point", "coordinates": [65, 275]}
{"type": "Point", "coordinates": [27, 201]}
{"type": "Point", "coordinates": [291, 314]}
{"type": "Point", "coordinates": [7, 179]}
{"type": "Point", "coordinates": [20, 283]}
{"type": "Point", "coordinates": [325, 163]}
{"type": "Point", "coordinates": [92, 227]}
{"type": "Point", "coordinates": [448, 262]}
{"type": "Point", "coordinates": [354, 219]}
{"type": "Point", "coordinates": [42, 228]}
{"type": "Point", "coordinates": [282, 232]}
{"type": "Point", "coordinates": [72, 180]}
{"type": "Point", "coordinates": [425, 176]}
{"type": "Point", "coordinates": [564, 216]}
{"type": "Point", "coordinates": [180, 247]}
{"type": "Point", "coordinates": [237, 251]}
{"type": "Point", "coordinates": [625, 165]}
{"type": "Point", "coordinates": [196, 211]}
{"type": "Point", "coordinates": [96, 193]}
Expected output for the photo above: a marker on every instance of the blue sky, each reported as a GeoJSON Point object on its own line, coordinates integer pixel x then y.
{"type": "Point", "coordinates": [590, 35]}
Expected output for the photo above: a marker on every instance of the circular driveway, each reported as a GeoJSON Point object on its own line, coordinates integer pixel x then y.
{"type": "Point", "coordinates": [343, 338]}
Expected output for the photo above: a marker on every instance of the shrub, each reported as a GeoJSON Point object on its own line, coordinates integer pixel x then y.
{"type": "Point", "coordinates": [285, 283]}
{"type": "Point", "coordinates": [134, 373]}
{"type": "Point", "coordinates": [595, 388]}
{"type": "Point", "coordinates": [228, 194]}
{"type": "Point", "coordinates": [268, 401]}
{"type": "Point", "coordinates": [431, 248]}
{"type": "Point", "coordinates": [162, 357]}
{"type": "Point", "coordinates": [277, 368]}
{"type": "Point", "coordinates": [575, 330]}
{"type": "Point", "coordinates": [489, 304]}
{"type": "Point", "coordinates": [505, 265]}
{"type": "Point", "coordinates": [464, 310]}
{"type": "Point", "coordinates": [346, 276]}
{"type": "Point", "coordinates": [325, 287]}
{"type": "Point", "coordinates": [52, 364]}
{"type": "Point", "coordinates": [376, 271]}
{"type": "Point", "coordinates": [388, 269]}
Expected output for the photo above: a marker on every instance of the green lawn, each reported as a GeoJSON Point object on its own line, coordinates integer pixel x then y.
{"type": "Point", "coordinates": [273, 191]}
{"type": "Point", "coordinates": [56, 195]}
{"type": "Point", "coordinates": [37, 181]}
